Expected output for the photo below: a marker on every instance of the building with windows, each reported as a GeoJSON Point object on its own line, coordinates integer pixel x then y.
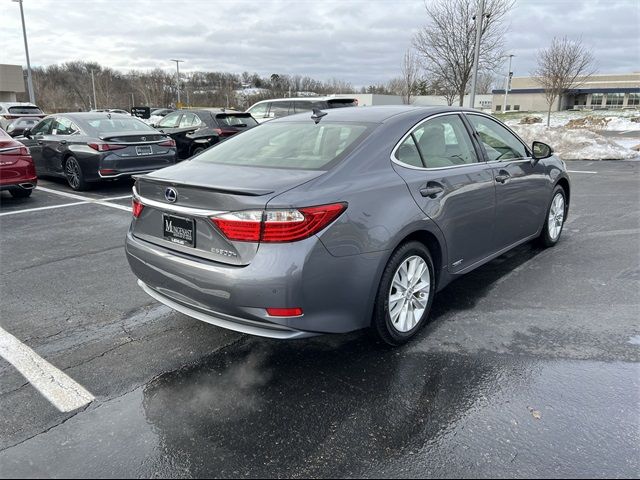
{"type": "Point", "coordinates": [599, 92]}
{"type": "Point", "coordinates": [11, 82]}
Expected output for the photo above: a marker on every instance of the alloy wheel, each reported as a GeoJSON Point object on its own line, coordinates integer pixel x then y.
{"type": "Point", "coordinates": [72, 171]}
{"type": "Point", "coordinates": [409, 293]}
{"type": "Point", "coordinates": [556, 216]}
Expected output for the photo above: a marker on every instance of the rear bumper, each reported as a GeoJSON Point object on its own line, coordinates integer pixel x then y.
{"type": "Point", "coordinates": [335, 293]}
{"type": "Point", "coordinates": [29, 185]}
{"type": "Point", "coordinates": [18, 175]}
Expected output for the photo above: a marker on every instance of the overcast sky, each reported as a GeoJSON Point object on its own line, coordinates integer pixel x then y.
{"type": "Point", "coordinates": [361, 41]}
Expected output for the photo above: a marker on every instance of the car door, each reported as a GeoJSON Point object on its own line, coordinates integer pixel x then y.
{"type": "Point", "coordinates": [521, 185]}
{"type": "Point", "coordinates": [443, 170]}
{"type": "Point", "coordinates": [35, 143]}
{"type": "Point", "coordinates": [55, 145]}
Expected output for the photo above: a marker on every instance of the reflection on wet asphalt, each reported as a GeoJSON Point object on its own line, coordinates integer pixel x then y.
{"type": "Point", "coordinates": [335, 407]}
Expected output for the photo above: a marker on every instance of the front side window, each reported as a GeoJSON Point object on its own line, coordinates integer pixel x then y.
{"type": "Point", "coordinates": [259, 111]}
{"type": "Point", "coordinates": [440, 142]}
{"type": "Point", "coordinates": [63, 126]}
{"type": "Point", "coordinates": [304, 146]}
{"type": "Point", "coordinates": [170, 121]}
{"type": "Point", "coordinates": [43, 128]}
{"type": "Point", "coordinates": [498, 142]}
{"type": "Point", "coordinates": [279, 109]}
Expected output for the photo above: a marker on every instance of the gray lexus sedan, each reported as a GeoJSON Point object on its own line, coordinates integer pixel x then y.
{"type": "Point", "coordinates": [341, 220]}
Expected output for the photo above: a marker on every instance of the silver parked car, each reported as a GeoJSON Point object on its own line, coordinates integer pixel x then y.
{"type": "Point", "coordinates": [341, 220]}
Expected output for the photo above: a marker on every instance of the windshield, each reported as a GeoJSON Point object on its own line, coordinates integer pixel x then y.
{"type": "Point", "coordinates": [104, 125]}
{"type": "Point", "coordinates": [25, 110]}
{"type": "Point", "coordinates": [304, 146]}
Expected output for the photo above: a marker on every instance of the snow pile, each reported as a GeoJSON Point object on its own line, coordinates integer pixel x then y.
{"type": "Point", "coordinates": [622, 124]}
{"type": "Point", "coordinates": [620, 121]}
{"type": "Point", "coordinates": [579, 144]}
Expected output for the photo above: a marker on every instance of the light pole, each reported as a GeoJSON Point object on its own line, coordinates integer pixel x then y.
{"type": "Point", "coordinates": [32, 97]}
{"type": "Point", "coordinates": [178, 77]}
{"type": "Point", "coordinates": [479, 18]}
{"type": "Point", "coordinates": [507, 84]}
{"type": "Point", "coordinates": [93, 85]}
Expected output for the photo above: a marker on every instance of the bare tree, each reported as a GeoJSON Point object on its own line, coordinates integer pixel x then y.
{"type": "Point", "coordinates": [447, 43]}
{"type": "Point", "coordinates": [443, 85]}
{"type": "Point", "coordinates": [410, 72]}
{"type": "Point", "coordinates": [485, 83]}
{"type": "Point", "coordinates": [566, 64]}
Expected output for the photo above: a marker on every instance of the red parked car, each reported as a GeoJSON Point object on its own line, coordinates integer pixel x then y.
{"type": "Point", "coordinates": [17, 173]}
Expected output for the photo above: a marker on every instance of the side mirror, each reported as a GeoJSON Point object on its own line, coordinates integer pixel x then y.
{"type": "Point", "coordinates": [541, 150]}
{"type": "Point", "coordinates": [26, 133]}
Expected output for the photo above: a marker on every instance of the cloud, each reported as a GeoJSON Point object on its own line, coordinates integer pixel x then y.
{"type": "Point", "coordinates": [361, 41]}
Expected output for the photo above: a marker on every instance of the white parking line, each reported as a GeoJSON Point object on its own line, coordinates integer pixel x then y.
{"type": "Point", "coordinates": [42, 208]}
{"type": "Point", "coordinates": [99, 201]}
{"type": "Point", "coordinates": [581, 171]}
{"type": "Point", "coordinates": [56, 386]}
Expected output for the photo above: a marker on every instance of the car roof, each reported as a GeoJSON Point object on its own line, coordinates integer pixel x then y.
{"type": "Point", "coordinates": [378, 114]}
{"type": "Point", "coordinates": [307, 99]}
{"type": "Point", "coordinates": [18, 104]}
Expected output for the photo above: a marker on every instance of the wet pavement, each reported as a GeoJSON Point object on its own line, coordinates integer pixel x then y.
{"type": "Point", "coordinates": [530, 366]}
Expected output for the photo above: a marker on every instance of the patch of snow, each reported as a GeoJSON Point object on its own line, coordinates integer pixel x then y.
{"type": "Point", "coordinates": [617, 120]}
{"type": "Point", "coordinates": [575, 144]}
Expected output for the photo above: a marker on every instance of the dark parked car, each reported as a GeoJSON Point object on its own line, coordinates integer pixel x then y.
{"type": "Point", "coordinates": [10, 111]}
{"type": "Point", "coordinates": [17, 174]}
{"type": "Point", "coordinates": [197, 130]}
{"type": "Point", "coordinates": [18, 126]}
{"type": "Point", "coordinates": [298, 228]}
{"type": "Point", "coordinates": [266, 110]}
{"type": "Point", "coordinates": [89, 147]}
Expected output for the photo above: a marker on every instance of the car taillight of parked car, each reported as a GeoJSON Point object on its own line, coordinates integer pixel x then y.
{"type": "Point", "coordinates": [168, 143]}
{"type": "Point", "coordinates": [106, 147]}
{"type": "Point", "coordinates": [277, 226]}
{"type": "Point", "coordinates": [224, 133]}
{"type": "Point", "coordinates": [136, 208]}
{"type": "Point", "coordinates": [23, 151]}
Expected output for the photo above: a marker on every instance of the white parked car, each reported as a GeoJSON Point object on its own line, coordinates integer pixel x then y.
{"type": "Point", "coordinates": [281, 107]}
{"type": "Point", "coordinates": [10, 111]}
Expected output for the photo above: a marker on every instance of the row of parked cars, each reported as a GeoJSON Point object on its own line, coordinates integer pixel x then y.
{"type": "Point", "coordinates": [88, 147]}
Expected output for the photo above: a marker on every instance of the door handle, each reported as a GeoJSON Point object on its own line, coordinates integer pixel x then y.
{"type": "Point", "coordinates": [40, 142]}
{"type": "Point", "coordinates": [63, 142]}
{"type": "Point", "coordinates": [502, 176]}
{"type": "Point", "coordinates": [431, 191]}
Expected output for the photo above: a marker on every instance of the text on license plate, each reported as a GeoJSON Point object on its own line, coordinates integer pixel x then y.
{"type": "Point", "coordinates": [179, 230]}
{"type": "Point", "coordinates": [144, 150]}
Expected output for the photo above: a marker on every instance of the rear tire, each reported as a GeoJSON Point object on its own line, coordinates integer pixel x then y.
{"type": "Point", "coordinates": [74, 175]}
{"type": "Point", "coordinates": [554, 220]}
{"type": "Point", "coordinates": [405, 294]}
{"type": "Point", "coordinates": [197, 151]}
{"type": "Point", "coordinates": [20, 193]}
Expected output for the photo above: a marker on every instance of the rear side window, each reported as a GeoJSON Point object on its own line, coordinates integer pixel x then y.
{"type": "Point", "coordinates": [440, 142]}
{"type": "Point", "coordinates": [63, 126]}
{"type": "Point", "coordinates": [25, 110]}
{"type": "Point", "coordinates": [189, 120]}
{"type": "Point", "coordinates": [259, 111]}
{"type": "Point", "coordinates": [302, 106]}
{"type": "Point", "coordinates": [170, 121]}
{"type": "Point", "coordinates": [498, 142]}
{"type": "Point", "coordinates": [235, 120]}
{"type": "Point", "coordinates": [304, 146]}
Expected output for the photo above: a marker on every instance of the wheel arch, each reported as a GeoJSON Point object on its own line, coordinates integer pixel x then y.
{"type": "Point", "coordinates": [564, 183]}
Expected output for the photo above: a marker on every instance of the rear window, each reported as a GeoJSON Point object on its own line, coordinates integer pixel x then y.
{"type": "Point", "coordinates": [105, 125]}
{"type": "Point", "coordinates": [25, 110]}
{"type": "Point", "coordinates": [342, 102]}
{"type": "Point", "coordinates": [302, 146]}
{"type": "Point", "coordinates": [231, 120]}
{"type": "Point", "coordinates": [25, 122]}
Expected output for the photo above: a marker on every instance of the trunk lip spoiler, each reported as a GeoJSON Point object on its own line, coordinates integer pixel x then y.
{"type": "Point", "coordinates": [170, 207]}
{"type": "Point", "coordinates": [233, 191]}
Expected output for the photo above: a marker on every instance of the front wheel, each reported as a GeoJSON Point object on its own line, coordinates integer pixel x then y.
{"type": "Point", "coordinates": [405, 294]}
{"type": "Point", "coordinates": [73, 173]}
{"type": "Point", "coordinates": [554, 220]}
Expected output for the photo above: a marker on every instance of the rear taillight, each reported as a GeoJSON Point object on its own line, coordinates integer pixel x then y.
{"type": "Point", "coordinates": [106, 147]}
{"type": "Point", "coordinates": [168, 143]}
{"type": "Point", "coordinates": [276, 226]}
{"type": "Point", "coordinates": [137, 208]}
{"type": "Point", "coordinates": [22, 150]}
{"type": "Point", "coordinates": [224, 133]}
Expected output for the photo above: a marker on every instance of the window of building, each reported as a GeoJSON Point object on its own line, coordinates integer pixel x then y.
{"type": "Point", "coordinates": [498, 108]}
{"type": "Point", "coordinates": [633, 100]}
{"type": "Point", "coordinates": [615, 100]}
{"type": "Point", "coordinates": [516, 107]}
{"type": "Point", "coordinates": [508, 108]}
{"type": "Point", "coordinates": [596, 99]}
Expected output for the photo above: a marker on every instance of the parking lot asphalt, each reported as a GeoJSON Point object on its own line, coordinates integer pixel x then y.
{"type": "Point", "coordinates": [529, 367]}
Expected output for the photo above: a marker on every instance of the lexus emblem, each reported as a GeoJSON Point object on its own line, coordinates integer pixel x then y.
{"type": "Point", "coordinates": [171, 195]}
